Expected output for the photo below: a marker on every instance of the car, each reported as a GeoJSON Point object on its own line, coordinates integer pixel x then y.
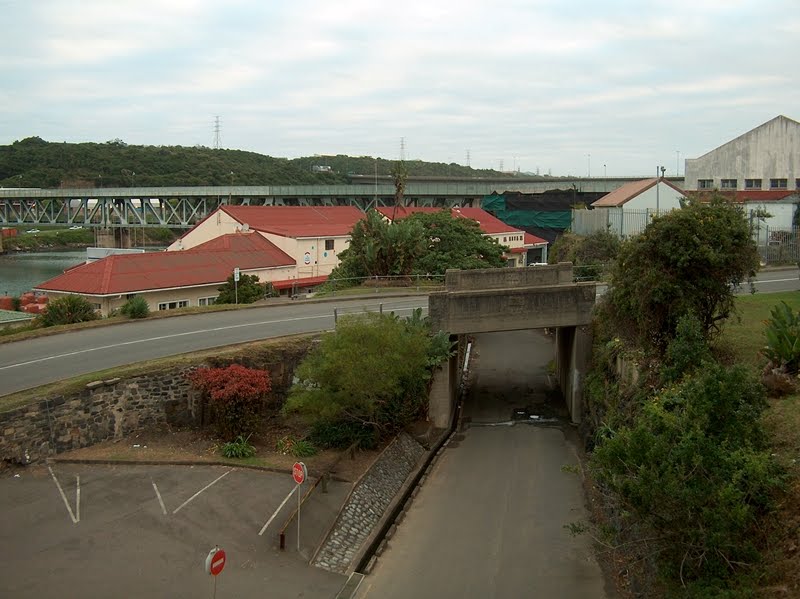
{"type": "Point", "coordinates": [32, 231]}
{"type": "Point", "coordinates": [75, 227]}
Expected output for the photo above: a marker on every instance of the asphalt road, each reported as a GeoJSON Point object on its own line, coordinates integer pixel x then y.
{"type": "Point", "coordinates": [489, 520]}
{"type": "Point", "coordinates": [27, 364]}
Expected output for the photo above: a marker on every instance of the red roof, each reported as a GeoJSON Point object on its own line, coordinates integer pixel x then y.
{"type": "Point", "coordinates": [207, 264]}
{"type": "Point", "coordinates": [533, 240]}
{"type": "Point", "coordinates": [629, 191]}
{"type": "Point", "coordinates": [302, 282]}
{"type": "Point", "coordinates": [298, 221]}
{"type": "Point", "coordinates": [489, 224]}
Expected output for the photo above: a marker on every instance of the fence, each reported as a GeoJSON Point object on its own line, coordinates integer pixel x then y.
{"type": "Point", "coordinates": [622, 223]}
{"type": "Point", "coordinates": [777, 245]}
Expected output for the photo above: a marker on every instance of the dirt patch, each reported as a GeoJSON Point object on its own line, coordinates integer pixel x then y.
{"type": "Point", "coordinates": [201, 446]}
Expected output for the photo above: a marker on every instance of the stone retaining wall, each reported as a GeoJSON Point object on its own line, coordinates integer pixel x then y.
{"type": "Point", "coordinates": [367, 503]}
{"type": "Point", "coordinates": [115, 408]}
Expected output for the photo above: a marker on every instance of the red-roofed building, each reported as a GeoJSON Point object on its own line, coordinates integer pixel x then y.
{"type": "Point", "coordinates": [312, 235]}
{"type": "Point", "coordinates": [524, 248]}
{"type": "Point", "coordinates": [170, 280]}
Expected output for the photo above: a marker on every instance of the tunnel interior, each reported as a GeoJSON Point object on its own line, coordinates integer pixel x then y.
{"type": "Point", "coordinates": [512, 379]}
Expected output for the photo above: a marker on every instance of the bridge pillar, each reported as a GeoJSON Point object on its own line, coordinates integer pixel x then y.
{"type": "Point", "coordinates": [573, 353]}
{"type": "Point", "coordinates": [442, 398]}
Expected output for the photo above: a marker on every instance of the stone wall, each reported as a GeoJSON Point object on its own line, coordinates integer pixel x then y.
{"type": "Point", "coordinates": [367, 503]}
{"type": "Point", "coordinates": [115, 408]}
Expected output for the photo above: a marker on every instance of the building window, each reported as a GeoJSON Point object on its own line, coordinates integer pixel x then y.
{"type": "Point", "coordinates": [173, 305]}
{"type": "Point", "coordinates": [797, 183]}
{"type": "Point", "coordinates": [727, 184]}
{"type": "Point", "coordinates": [777, 183]}
{"type": "Point", "coordinates": [705, 183]}
{"type": "Point", "coordinates": [206, 301]}
{"type": "Point", "coordinates": [328, 244]}
{"type": "Point", "coordinates": [752, 183]}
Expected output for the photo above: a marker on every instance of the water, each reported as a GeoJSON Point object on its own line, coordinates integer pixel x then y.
{"type": "Point", "coordinates": [21, 272]}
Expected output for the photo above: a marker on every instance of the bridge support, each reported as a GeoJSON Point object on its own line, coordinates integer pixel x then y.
{"type": "Point", "coordinates": [573, 351]}
{"type": "Point", "coordinates": [442, 398]}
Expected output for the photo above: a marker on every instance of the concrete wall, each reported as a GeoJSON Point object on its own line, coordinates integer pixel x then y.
{"type": "Point", "coordinates": [769, 151]}
{"type": "Point", "coordinates": [218, 223]}
{"type": "Point", "coordinates": [663, 196]}
{"type": "Point", "coordinates": [573, 352]}
{"type": "Point", "coordinates": [507, 278]}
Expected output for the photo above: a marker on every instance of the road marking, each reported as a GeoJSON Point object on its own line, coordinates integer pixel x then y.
{"type": "Point", "coordinates": [263, 528]}
{"type": "Point", "coordinates": [208, 486]}
{"type": "Point", "coordinates": [160, 501]}
{"type": "Point", "coordinates": [64, 497]}
{"type": "Point", "coordinates": [77, 498]}
{"type": "Point", "coordinates": [162, 337]}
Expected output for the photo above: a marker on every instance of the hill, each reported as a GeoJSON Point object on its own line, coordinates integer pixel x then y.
{"type": "Point", "coordinates": [34, 162]}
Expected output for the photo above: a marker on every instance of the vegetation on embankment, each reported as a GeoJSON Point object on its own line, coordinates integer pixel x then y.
{"type": "Point", "coordinates": [682, 438]}
{"type": "Point", "coordinates": [34, 162]}
{"type": "Point", "coordinates": [63, 238]}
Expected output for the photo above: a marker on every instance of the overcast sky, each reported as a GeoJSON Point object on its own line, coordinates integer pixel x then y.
{"type": "Point", "coordinates": [567, 86]}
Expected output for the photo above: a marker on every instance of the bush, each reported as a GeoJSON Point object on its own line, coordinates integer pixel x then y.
{"type": "Point", "coordinates": [237, 394]}
{"type": "Point", "coordinates": [694, 469]}
{"type": "Point", "coordinates": [240, 448]}
{"type": "Point", "coordinates": [246, 291]}
{"type": "Point", "coordinates": [299, 448]}
{"type": "Point", "coordinates": [135, 307]}
{"type": "Point", "coordinates": [69, 309]}
{"type": "Point", "coordinates": [783, 338]}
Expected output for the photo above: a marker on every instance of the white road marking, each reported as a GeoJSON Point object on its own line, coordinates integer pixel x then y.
{"type": "Point", "coordinates": [160, 501]}
{"type": "Point", "coordinates": [263, 528]}
{"type": "Point", "coordinates": [774, 281]}
{"type": "Point", "coordinates": [208, 486]}
{"type": "Point", "coordinates": [64, 497]}
{"type": "Point", "coordinates": [161, 337]}
{"type": "Point", "coordinates": [77, 498]}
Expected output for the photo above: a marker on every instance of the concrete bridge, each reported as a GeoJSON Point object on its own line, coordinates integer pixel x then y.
{"type": "Point", "coordinates": [510, 299]}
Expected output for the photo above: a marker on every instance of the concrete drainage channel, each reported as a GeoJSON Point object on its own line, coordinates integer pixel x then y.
{"type": "Point", "coordinates": [397, 511]}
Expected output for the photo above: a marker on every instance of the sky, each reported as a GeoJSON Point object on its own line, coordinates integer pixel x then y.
{"type": "Point", "coordinates": [567, 87]}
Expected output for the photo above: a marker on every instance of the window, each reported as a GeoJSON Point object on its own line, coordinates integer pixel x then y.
{"type": "Point", "coordinates": [206, 301]}
{"type": "Point", "coordinates": [173, 305]}
{"type": "Point", "coordinates": [777, 183]}
{"type": "Point", "coordinates": [797, 183]}
{"type": "Point", "coordinates": [728, 184]}
{"type": "Point", "coordinates": [705, 183]}
{"type": "Point", "coordinates": [752, 183]}
{"type": "Point", "coordinates": [328, 244]}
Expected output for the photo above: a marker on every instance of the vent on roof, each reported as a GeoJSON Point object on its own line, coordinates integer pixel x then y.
{"type": "Point", "coordinates": [245, 227]}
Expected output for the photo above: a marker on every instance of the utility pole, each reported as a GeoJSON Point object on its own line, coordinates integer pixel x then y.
{"type": "Point", "coordinates": [216, 132]}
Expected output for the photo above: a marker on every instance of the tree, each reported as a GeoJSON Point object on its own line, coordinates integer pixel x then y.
{"type": "Point", "coordinates": [455, 242]}
{"type": "Point", "coordinates": [135, 307]}
{"type": "Point", "coordinates": [248, 290]}
{"type": "Point", "coordinates": [368, 378]}
{"type": "Point", "coordinates": [69, 309]}
{"type": "Point", "coordinates": [399, 177]}
{"type": "Point", "coordinates": [687, 261]}
{"type": "Point", "coordinates": [236, 393]}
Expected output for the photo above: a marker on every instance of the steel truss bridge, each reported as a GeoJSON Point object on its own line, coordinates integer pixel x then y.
{"type": "Point", "coordinates": [184, 207]}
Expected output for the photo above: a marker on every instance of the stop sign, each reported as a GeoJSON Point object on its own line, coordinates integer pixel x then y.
{"type": "Point", "coordinates": [215, 561]}
{"type": "Point", "coordinates": [299, 472]}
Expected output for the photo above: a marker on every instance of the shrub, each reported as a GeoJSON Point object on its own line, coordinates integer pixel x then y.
{"type": "Point", "coordinates": [135, 307]}
{"type": "Point", "coordinates": [246, 291]}
{"type": "Point", "coordinates": [69, 309]}
{"type": "Point", "coordinates": [693, 467]}
{"type": "Point", "coordinates": [240, 448]}
{"type": "Point", "coordinates": [299, 448]}
{"type": "Point", "coordinates": [783, 338]}
{"type": "Point", "coordinates": [236, 393]}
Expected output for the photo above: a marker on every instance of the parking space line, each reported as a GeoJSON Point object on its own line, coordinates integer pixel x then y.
{"type": "Point", "coordinates": [161, 501]}
{"type": "Point", "coordinates": [77, 498]}
{"type": "Point", "coordinates": [64, 497]}
{"type": "Point", "coordinates": [263, 528]}
{"type": "Point", "coordinates": [209, 485]}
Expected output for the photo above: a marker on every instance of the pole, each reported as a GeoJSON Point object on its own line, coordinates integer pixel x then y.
{"type": "Point", "coordinates": [657, 182]}
{"type": "Point", "coordinates": [236, 289]}
{"type": "Point", "coordinates": [298, 518]}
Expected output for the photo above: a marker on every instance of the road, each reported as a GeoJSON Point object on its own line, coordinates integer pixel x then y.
{"type": "Point", "coordinates": [28, 364]}
{"type": "Point", "coordinates": [34, 362]}
{"type": "Point", "coordinates": [489, 520]}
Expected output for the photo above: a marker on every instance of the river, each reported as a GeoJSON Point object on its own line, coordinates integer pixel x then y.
{"type": "Point", "coordinates": [20, 272]}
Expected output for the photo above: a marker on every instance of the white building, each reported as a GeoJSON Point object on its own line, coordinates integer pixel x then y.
{"type": "Point", "coordinates": [767, 157]}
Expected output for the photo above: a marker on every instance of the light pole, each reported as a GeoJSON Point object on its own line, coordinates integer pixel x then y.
{"type": "Point", "coordinates": [677, 163]}
{"type": "Point", "coordinates": [589, 166]}
{"type": "Point", "coordinates": [605, 179]}
{"type": "Point", "coordinates": [659, 175]}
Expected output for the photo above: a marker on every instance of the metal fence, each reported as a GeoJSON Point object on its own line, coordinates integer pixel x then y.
{"type": "Point", "coordinates": [777, 245]}
{"type": "Point", "coordinates": [622, 223]}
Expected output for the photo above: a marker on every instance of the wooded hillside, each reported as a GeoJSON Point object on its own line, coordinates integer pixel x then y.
{"type": "Point", "coordinates": [34, 162]}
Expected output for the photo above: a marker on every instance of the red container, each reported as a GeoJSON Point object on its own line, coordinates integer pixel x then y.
{"type": "Point", "coordinates": [6, 302]}
{"type": "Point", "coordinates": [42, 299]}
{"type": "Point", "coordinates": [32, 308]}
{"type": "Point", "coordinates": [27, 298]}
{"type": "Point", "coordinates": [9, 232]}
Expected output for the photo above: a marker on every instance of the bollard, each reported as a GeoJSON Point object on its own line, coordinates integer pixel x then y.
{"type": "Point", "coordinates": [335, 315]}
{"type": "Point", "coordinates": [283, 541]}
{"type": "Point", "coordinates": [324, 483]}
{"type": "Point", "coordinates": [380, 307]}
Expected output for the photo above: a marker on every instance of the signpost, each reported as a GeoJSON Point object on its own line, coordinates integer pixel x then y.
{"type": "Point", "coordinates": [299, 474]}
{"type": "Point", "coordinates": [215, 562]}
{"type": "Point", "coordinates": [236, 283]}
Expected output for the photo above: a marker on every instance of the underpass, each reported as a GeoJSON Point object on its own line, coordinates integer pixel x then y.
{"type": "Point", "coordinates": [489, 521]}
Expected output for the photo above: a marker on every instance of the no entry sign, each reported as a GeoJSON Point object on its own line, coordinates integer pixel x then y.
{"type": "Point", "coordinates": [299, 472]}
{"type": "Point", "coordinates": [215, 561]}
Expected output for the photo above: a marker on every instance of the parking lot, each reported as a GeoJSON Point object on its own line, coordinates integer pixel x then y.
{"type": "Point", "coordinates": [88, 530]}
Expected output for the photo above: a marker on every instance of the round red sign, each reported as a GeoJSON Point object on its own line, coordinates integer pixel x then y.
{"type": "Point", "coordinates": [299, 472]}
{"type": "Point", "coordinates": [215, 561]}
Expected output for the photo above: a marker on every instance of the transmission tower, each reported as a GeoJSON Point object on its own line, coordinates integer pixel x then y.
{"type": "Point", "coordinates": [402, 149]}
{"type": "Point", "coordinates": [216, 132]}
{"type": "Point", "coordinates": [468, 164]}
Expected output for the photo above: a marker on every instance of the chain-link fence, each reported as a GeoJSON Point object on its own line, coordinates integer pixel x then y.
{"type": "Point", "coordinates": [777, 246]}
